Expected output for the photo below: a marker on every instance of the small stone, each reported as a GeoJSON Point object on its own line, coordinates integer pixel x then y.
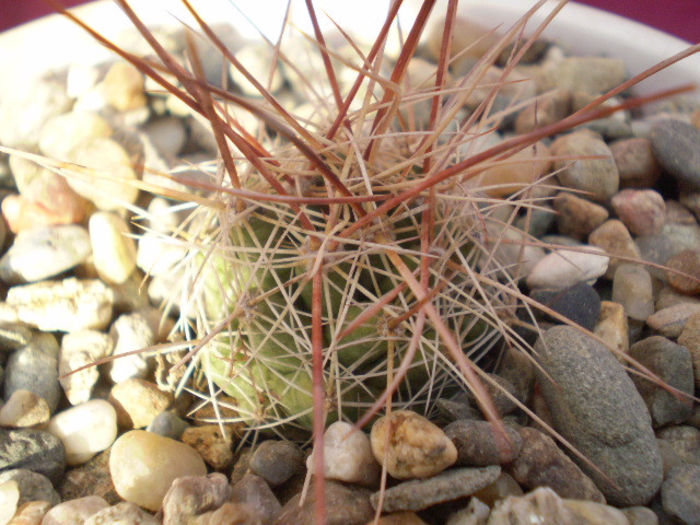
{"type": "Point", "coordinates": [168, 135]}
{"type": "Point", "coordinates": [612, 328]}
{"type": "Point", "coordinates": [565, 268]}
{"type": "Point", "coordinates": [85, 429]}
{"type": "Point", "coordinates": [676, 145]}
{"type": "Point", "coordinates": [498, 393]}
{"type": "Point", "coordinates": [114, 253]}
{"type": "Point", "coordinates": [214, 448]}
{"type": "Point", "coordinates": [579, 303]}
{"type": "Point", "coordinates": [168, 424]}
{"type": "Point", "coordinates": [399, 518]}
{"type": "Point", "coordinates": [592, 75]}
{"type": "Point", "coordinates": [22, 213]}
{"type": "Point", "coordinates": [673, 239]}
{"type": "Point", "coordinates": [143, 466]}
{"type": "Point", "coordinates": [35, 368]}
{"type": "Point", "coordinates": [504, 486]}
{"type": "Point", "coordinates": [31, 513]}
{"type": "Point", "coordinates": [679, 493]}
{"type": "Point", "coordinates": [111, 187]}
{"type": "Point", "coordinates": [65, 306]}
{"type": "Point", "coordinates": [671, 363]}
{"type": "Point", "coordinates": [478, 444]}
{"type": "Point", "coordinates": [345, 505]}
{"type": "Point", "coordinates": [640, 516]}
{"type": "Point", "coordinates": [137, 402]}
{"type": "Point", "coordinates": [24, 409]}
{"type": "Point", "coordinates": [41, 253]}
{"type": "Point", "coordinates": [32, 486]}
{"type": "Point", "coordinates": [410, 446]}
{"type": "Point", "coordinates": [685, 211]}
{"type": "Point", "coordinates": [227, 513]}
{"type": "Point", "coordinates": [35, 450]}
{"type": "Point", "coordinates": [123, 86]}
{"type": "Point", "coordinates": [642, 211]}
{"type": "Point", "coordinates": [14, 336]}
{"type": "Point", "coordinates": [578, 217]}
{"type": "Point", "coordinates": [592, 513]}
{"type": "Point", "coordinates": [613, 237]}
{"type": "Point", "coordinates": [9, 496]}
{"type": "Point", "coordinates": [635, 162]}
{"type": "Point", "coordinates": [347, 455]}
{"type": "Point", "coordinates": [81, 349]}
{"type": "Point", "coordinates": [189, 496]}
{"type": "Point", "coordinates": [158, 254]}
{"type": "Point", "coordinates": [420, 494]}
{"type": "Point", "coordinates": [255, 493]}
{"type": "Point", "coordinates": [74, 511]}
{"type": "Point", "coordinates": [124, 513]}
{"type": "Point", "coordinates": [687, 262]}
{"type": "Point", "coordinates": [542, 505]}
{"type": "Point", "coordinates": [276, 461]}
{"type": "Point", "coordinates": [690, 338]}
{"type": "Point", "coordinates": [529, 165]}
{"type": "Point", "coordinates": [553, 107]}
{"type": "Point", "coordinates": [679, 445]}
{"type": "Point", "coordinates": [60, 134]}
{"type": "Point", "coordinates": [542, 463]}
{"type": "Point", "coordinates": [518, 254]}
{"type": "Point", "coordinates": [476, 513]}
{"type": "Point", "coordinates": [91, 478]}
{"type": "Point", "coordinates": [670, 321]}
{"type": "Point", "coordinates": [453, 409]}
{"type": "Point", "coordinates": [632, 289]}
{"type": "Point", "coordinates": [584, 385]}
{"type": "Point", "coordinates": [130, 332]}
{"type": "Point", "coordinates": [599, 178]}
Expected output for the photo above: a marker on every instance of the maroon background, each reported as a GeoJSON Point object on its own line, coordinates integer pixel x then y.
{"type": "Point", "coordinates": [678, 17]}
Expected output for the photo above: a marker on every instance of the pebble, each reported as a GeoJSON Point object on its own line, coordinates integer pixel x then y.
{"type": "Point", "coordinates": [679, 445]}
{"type": "Point", "coordinates": [688, 262]}
{"type": "Point", "coordinates": [143, 465]}
{"type": "Point", "coordinates": [676, 145]}
{"type": "Point", "coordinates": [683, 212]}
{"type": "Point", "coordinates": [35, 450]}
{"type": "Point", "coordinates": [44, 252]}
{"type": "Point", "coordinates": [565, 268]}
{"type": "Point", "coordinates": [613, 328]}
{"type": "Point", "coordinates": [530, 164]}
{"type": "Point", "coordinates": [32, 486]}
{"type": "Point", "coordinates": [345, 505]}
{"type": "Point", "coordinates": [257, 59]}
{"type": "Point", "coordinates": [642, 211]}
{"type": "Point", "coordinates": [9, 496]}
{"type": "Point", "coordinates": [615, 239]}
{"type": "Point", "coordinates": [579, 303]}
{"type": "Point", "coordinates": [498, 393]}
{"type": "Point", "coordinates": [402, 518]}
{"type": "Point", "coordinates": [449, 485]}
{"type": "Point", "coordinates": [542, 463]}
{"type": "Point", "coordinates": [276, 461]}
{"type": "Point", "coordinates": [113, 251]}
{"type": "Point", "coordinates": [91, 478]}
{"type": "Point", "coordinates": [168, 135]}
{"type": "Point", "coordinates": [31, 513]}
{"type": "Point", "coordinates": [255, 493]}
{"type": "Point", "coordinates": [679, 493]}
{"type": "Point", "coordinates": [159, 254]}
{"type": "Point", "coordinates": [670, 321]}
{"type": "Point", "coordinates": [85, 429]}
{"type": "Point", "coordinates": [124, 513]}
{"type": "Point", "coordinates": [168, 424]}
{"type": "Point", "coordinates": [35, 368]}
{"type": "Point", "coordinates": [592, 513]}
{"type": "Point", "coordinates": [62, 133]}
{"type": "Point", "coordinates": [64, 306]}
{"type": "Point", "coordinates": [123, 87]}
{"type": "Point", "coordinates": [410, 446]}
{"type": "Point", "coordinates": [81, 349]}
{"type": "Point", "coordinates": [671, 363]}
{"type": "Point", "coordinates": [189, 496]}
{"type": "Point", "coordinates": [673, 239]}
{"type": "Point", "coordinates": [227, 513]}
{"type": "Point", "coordinates": [690, 338]}
{"type": "Point", "coordinates": [215, 448]}
{"type": "Point", "coordinates": [74, 511]}
{"type": "Point", "coordinates": [21, 213]}
{"type": "Point", "coordinates": [130, 332]}
{"type": "Point", "coordinates": [592, 75]}
{"type": "Point", "coordinates": [109, 181]}
{"type": "Point", "coordinates": [553, 107]}
{"type": "Point", "coordinates": [578, 217]}
{"type": "Point", "coordinates": [635, 162]}
{"type": "Point", "coordinates": [519, 256]}
{"type": "Point", "coordinates": [24, 409]}
{"type": "Point", "coordinates": [599, 178]}
{"type": "Point", "coordinates": [477, 444]}
{"type": "Point", "coordinates": [503, 487]}
{"type": "Point", "coordinates": [347, 455]}
{"type": "Point", "coordinates": [632, 288]}
{"type": "Point", "coordinates": [583, 388]}
{"type": "Point", "coordinates": [137, 402]}
{"type": "Point", "coordinates": [640, 516]}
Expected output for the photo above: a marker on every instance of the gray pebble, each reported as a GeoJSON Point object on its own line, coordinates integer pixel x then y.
{"type": "Point", "coordinates": [676, 145]}
{"type": "Point", "coordinates": [679, 445]}
{"type": "Point", "coordinates": [345, 505]}
{"type": "Point", "coordinates": [585, 389]}
{"type": "Point", "coordinates": [254, 491]}
{"type": "Point", "coordinates": [680, 496]}
{"type": "Point", "coordinates": [32, 486]}
{"type": "Point", "coordinates": [451, 484]}
{"type": "Point", "coordinates": [34, 450]}
{"type": "Point", "coordinates": [14, 336]}
{"type": "Point", "coordinates": [276, 461]}
{"type": "Point", "coordinates": [478, 446]}
{"type": "Point", "coordinates": [35, 368]}
{"type": "Point", "coordinates": [579, 303]}
{"type": "Point", "coordinates": [672, 364]}
{"type": "Point", "coordinates": [168, 424]}
{"type": "Point", "coordinates": [660, 247]}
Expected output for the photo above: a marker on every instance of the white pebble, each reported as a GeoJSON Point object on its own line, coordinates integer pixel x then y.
{"type": "Point", "coordinates": [565, 268]}
{"type": "Point", "coordinates": [167, 134]}
{"type": "Point", "coordinates": [158, 254]}
{"type": "Point", "coordinates": [123, 513]}
{"type": "Point", "coordinates": [130, 332]}
{"type": "Point", "coordinates": [113, 251]}
{"type": "Point", "coordinates": [62, 133]}
{"type": "Point", "coordinates": [74, 511]}
{"type": "Point", "coordinates": [24, 409]}
{"type": "Point", "coordinates": [79, 349]}
{"type": "Point", "coordinates": [85, 429]}
{"type": "Point", "coordinates": [9, 496]}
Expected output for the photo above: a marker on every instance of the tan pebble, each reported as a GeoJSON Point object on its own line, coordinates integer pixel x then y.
{"type": "Point", "coordinates": [114, 252]}
{"type": "Point", "coordinates": [578, 217]}
{"type": "Point", "coordinates": [123, 513]}
{"type": "Point", "coordinates": [143, 465]}
{"type": "Point", "coordinates": [137, 402]}
{"type": "Point", "coordinates": [22, 214]}
{"type": "Point", "coordinates": [612, 327]}
{"type": "Point", "coordinates": [554, 107]}
{"type": "Point", "coordinates": [24, 409]}
{"type": "Point", "coordinates": [635, 162]}
{"type": "Point", "coordinates": [614, 237]}
{"type": "Point", "coordinates": [233, 512]}
{"type": "Point", "coordinates": [687, 262]}
{"type": "Point", "coordinates": [123, 87]}
{"type": "Point", "coordinates": [410, 446]}
{"type": "Point", "coordinates": [74, 511]}
{"type": "Point", "coordinates": [60, 134]}
{"type": "Point", "coordinates": [398, 518]}
{"type": "Point", "coordinates": [523, 169]}
{"type": "Point", "coordinates": [690, 338]}
{"type": "Point", "coordinates": [670, 321]}
{"type": "Point", "coordinates": [214, 448]}
{"type": "Point", "coordinates": [593, 512]}
{"type": "Point", "coordinates": [31, 513]}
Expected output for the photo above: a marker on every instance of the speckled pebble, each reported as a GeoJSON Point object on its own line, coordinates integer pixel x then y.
{"type": "Point", "coordinates": [345, 505]}
{"type": "Point", "coordinates": [676, 146]}
{"type": "Point", "coordinates": [91, 478]}
{"type": "Point", "coordinates": [679, 493]}
{"type": "Point", "coordinates": [216, 449]}
{"type": "Point", "coordinates": [477, 444]}
{"type": "Point", "coordinates": [578, 217]}
{"type": "Point", "coordinates": [35, 450]}
{"type": "Point", "coordinates": [613, 328]}
{"type": "Point", "coordinates": [687, 262]}
{"type": "Point", "coordinates": [74, 511]}
{"type": "Point", "coordinates": [276, 461]}
{"type": "Point", "coordinates": [446, 486]}
{"type": "Point", "coordinates": [690, 338]}
{"type": "Point", "coordinates": [32, 486]}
